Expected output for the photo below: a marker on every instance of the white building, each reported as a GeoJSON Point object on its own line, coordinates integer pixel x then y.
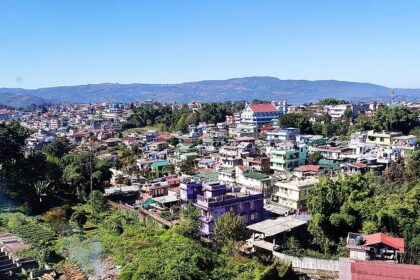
{"type": "Point", "coordinates": [293, 194]}
{"type": "Point", "coordinates": [259, 114]}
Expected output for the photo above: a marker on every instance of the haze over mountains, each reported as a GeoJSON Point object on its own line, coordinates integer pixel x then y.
{"type": "Point", "coordinates": [249, 88]}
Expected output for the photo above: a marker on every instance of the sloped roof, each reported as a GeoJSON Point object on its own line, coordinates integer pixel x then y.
{"type": "Point", "coordinates": [260, 108]}
{"type": "Point", "coordinates": [308, 168]}
{"type": "Point", "coordinates": [394, 242]}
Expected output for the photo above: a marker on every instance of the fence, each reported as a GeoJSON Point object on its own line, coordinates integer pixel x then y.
{"type": "Point", "coordinates": [310, 265]}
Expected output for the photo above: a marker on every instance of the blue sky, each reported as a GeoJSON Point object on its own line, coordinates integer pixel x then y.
{"type": "Point", "coordinates": [53, 42]}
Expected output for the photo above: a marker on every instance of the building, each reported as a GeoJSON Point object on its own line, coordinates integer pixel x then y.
{"type": "Point", "coordinates": [286, 134]}
{"type": "Point", "coordinates": [293, 194]}
{"type": "Point", "coordinates": [215, 201]}
{"type": "Point", "coordinates": [189, 191]}
{"type": "Point", "coordinates": [55, 123]}
{"type": "Point", "coordinates": [383, 138]}
{"type": "Point", "coordinates": [229, 156]}
{"type": "Point", "coordinates": [287, 157]}
{"type": "Point", "coordinates": [378, 246]}
{"type": "Point", "coordinates": [253, 181]}
{"type": "Point", "coordinates": [375, 256]}
{"type": "Point", "coordinates": [337, 111]}
{"type": "Point", "coordinates": [259, 114]}
{"type": "Point", "coordinates": [260, 164]}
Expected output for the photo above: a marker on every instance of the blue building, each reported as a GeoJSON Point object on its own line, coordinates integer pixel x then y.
{"type": "Point", "coordinates": [214, 200]}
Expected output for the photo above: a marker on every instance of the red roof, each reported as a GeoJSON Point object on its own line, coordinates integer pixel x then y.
{"type": "Point", "coordinates": [260, 108]}
{"type": "Point", "coordinates": [308, 168]}
{"type": "Point", "coordinates": [394, 242]}
{"type": "Point", "coordinates": [364, 270]}
{"type": "Point", "coordinates": [129, 138]}
{"type": "Point", "coordinates": [359, 164]}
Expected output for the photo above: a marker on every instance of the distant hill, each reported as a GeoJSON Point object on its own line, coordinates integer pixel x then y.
{"type": "Point", "coordinates": [19, 100]}
{"type": "Point", "coordinates": [266, 88]}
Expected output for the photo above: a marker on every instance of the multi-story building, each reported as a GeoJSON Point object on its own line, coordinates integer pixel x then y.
{"type": "Point", "coordinates": [55, 124]}
{"type": "Point", "coordinates": [286, 134]}
{"type": "Point", "coordinates": [229, 156]}
{"type": "Point", "coordinates": [383, 138]}
{"type": "Point", "coordinates": [253, 181]}
{"type": "Point", "coordinates": [259, 114]}
{"type": "Point", "coordinates": [215, 201]}
{"type": "Point", "coordinates": [293, 194]}
{"type": "Point", "coordinates": [260, 163]}
{"type": "Point", "coordinates": [287, 157]}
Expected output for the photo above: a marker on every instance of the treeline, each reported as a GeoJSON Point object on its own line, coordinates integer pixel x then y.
{"type": "Point", "coordinates": [387, 118]}
{"type": "Point", "coordinates": [42, 180]}
{"type": "Point", "coordinates": [368, 204]}
{"type": "Point", "coordinates": [168, 119]}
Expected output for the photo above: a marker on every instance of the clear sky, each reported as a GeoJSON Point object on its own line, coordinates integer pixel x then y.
{"type": "Point", "coordinates": [53, 42]}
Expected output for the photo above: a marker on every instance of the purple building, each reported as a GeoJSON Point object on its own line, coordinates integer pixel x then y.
{"type": "Point", "coordinates": [189, 191]}
{"type": "Point", "coordinates": [214, 201]}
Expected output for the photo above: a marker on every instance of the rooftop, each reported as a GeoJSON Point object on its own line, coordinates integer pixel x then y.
{"type": "Point", "coordinates": [276, 226]}
{"type": "Point", "coordinates": [260, 108]}
{"type": "Point", "coordinates": [256, 175]}
{"type": "Point", "coordinates": [161, 163]}
{"type": "Point", "coordinates": [394, 242]}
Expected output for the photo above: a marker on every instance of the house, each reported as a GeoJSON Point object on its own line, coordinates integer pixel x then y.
{"type": "Point", "coordinates": [188, 156]}
{"type": "Point", "coordinates": [353, 167]}
{"type": "Point", "coordinates": [329, 152]}
{"type": "Point", "coordinates": [253, 181]}
{"type": "Point", "coordinates": [307, 171]}
{"type": "Point", "coordinates": [161, 167]}
{"type": "Point", "coordinates": [287, 157]}
{"type": "Point", "coordinates": [206, 163]}
{"type": "Point", "coordinates": [338, 111]}
{"type": "Point", "coordinates": [260, 164]}
{"type": "Point", "coordinates": [189, 191]}
{"type": "Point", "coordinates": [286, 134]}
{"type": "Point", "coordinates": [215, 201]}
{"type": "Point", "coordinates": [229, 156]}
{"type": "Point", "coordinates": [227, 176]}
{"type": "Point", "coordinates": [158, 145]}
{"type": "Point", "coordinates": [293, 194]}
{"type": "Point", "coordinates": [377, 246]}
{"type": "Point", "coordinates": [383, 138]}
{"type": "Point", "coordinates": [259, 114]}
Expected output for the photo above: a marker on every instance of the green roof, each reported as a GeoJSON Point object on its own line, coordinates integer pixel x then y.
{"type": "Point", "coordinates": [228, 170]}
{"type": "Point", "coordinates": [160, 163]}
{"type": "Point", "coordinates": [256, 175]}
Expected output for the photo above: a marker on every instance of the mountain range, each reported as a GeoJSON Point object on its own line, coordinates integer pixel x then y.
{"type": "Point", "coordinates": [249, 88]}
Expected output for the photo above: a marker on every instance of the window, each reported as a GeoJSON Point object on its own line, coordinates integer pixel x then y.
{"type": "Point", "coordinates": [382, 139]}
{"type": "Point", "coordinates": [253, 216]}
{"type": "Point", "coordinates": [252, 204]}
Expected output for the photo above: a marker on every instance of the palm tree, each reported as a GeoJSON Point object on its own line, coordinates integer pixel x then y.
{"type": "Point", "coordinates": [41, 188]}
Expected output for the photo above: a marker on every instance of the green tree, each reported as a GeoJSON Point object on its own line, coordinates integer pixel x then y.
{"type": "Point", "coordinates": [97, 202]}
{"type": "Point", "coordinates": [190, 222]}
{"type": "Point", "coordinates": [332, 101]}
{"type": "Point", "coordinates": [297, 120]}
{"type": "Point", "coordinates": [229, 231]}
{"type": "Point", "coordinates": [176, 258]}
{"type": "Point", "coordinates": [58, 148]}
{"type": "Point", "coordinates": [314, 157]}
